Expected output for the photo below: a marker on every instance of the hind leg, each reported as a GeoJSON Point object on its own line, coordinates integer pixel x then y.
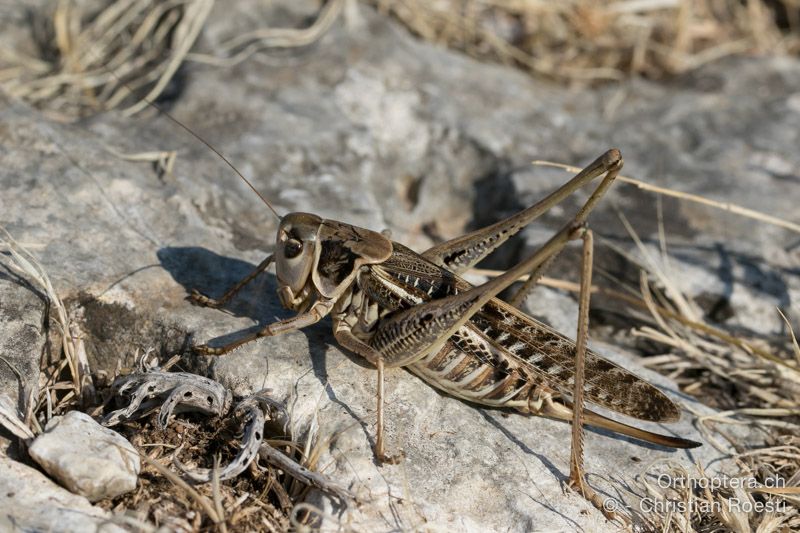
{"type": "Point", "coordinates": [577, 475]}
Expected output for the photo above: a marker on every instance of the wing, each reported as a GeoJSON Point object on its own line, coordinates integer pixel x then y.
{"type": "Point", "coordinates": [502, 352]}
{"type": "Point", "coordinates": [550, 356]}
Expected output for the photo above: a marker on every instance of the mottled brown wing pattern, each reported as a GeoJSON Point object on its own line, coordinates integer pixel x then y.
{"type": "Point", "coordinates": [552, 356]}
{"type": "Point", "coordinates": [501, 353]}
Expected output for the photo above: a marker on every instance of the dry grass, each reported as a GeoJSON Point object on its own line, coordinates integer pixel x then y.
{"type": "Point", "coordinates": [754, 389]}
{"type": "Point", "coordinates": [587, 40]}
{"type": "Point", "coordinates": [731, 372]}
{"type": "Point", "coordinates": [93, 58]}
{"type": "Point", "coordinates": [65, 381]}
{"type": "Point", "coordinates": [125, 54]}
{"type": "Point", "coordinates": [762, 495]}
{"type": "Point", "coordinates": [122, 54]}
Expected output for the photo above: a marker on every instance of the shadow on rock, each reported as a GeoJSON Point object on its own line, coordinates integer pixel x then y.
{"type": "Point", "coordinates": [213, 274]}
{"type": "Point", "coordinates": [320, 339]}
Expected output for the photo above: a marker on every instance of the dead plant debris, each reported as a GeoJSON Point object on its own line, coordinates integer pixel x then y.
{"type": "Point", "coordinates": [260, 498]}
{"type": "Point", "coordinates": [97, 56]}
{"type": "Point", "coordinates": [588, 41]}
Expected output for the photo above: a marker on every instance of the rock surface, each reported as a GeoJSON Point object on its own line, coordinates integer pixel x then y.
{"type": "Point", "coordinates": [22, 335]}
{"type": "Point", "coordinates": [85, 457]}
{"type": "Point", "coordinates": [378, 129]}
{"type": "Point", "coordinates": [31, 502]}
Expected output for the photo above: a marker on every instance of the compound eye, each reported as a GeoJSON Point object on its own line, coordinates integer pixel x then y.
{"type": "Point", "coordinates": [292, 248]}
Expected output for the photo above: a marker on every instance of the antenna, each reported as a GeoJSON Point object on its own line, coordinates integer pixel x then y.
{"type": "Point", "coordinates": [196, 136]}
{"type": "Point", "coordinates": [199, 138]}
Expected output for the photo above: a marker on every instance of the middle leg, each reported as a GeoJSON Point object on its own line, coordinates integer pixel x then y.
{"type": "Point", "coordinates": [344, 336]}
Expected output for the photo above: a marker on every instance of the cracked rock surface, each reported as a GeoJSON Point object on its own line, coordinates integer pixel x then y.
{"type": "Point", "coordinates": [378, 129]}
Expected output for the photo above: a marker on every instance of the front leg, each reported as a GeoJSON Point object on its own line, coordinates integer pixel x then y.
{"type": "Point", "coordinates": [345, 337]}
{"type": "Point", "coordinates": [201, 299]}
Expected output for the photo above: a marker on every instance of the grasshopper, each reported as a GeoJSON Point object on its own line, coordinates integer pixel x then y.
{"type": "Point", "coordinates": [398, 308]}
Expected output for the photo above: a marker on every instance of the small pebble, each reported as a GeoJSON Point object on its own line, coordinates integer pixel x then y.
{"type": "Point", "coordinates": [85, 457]}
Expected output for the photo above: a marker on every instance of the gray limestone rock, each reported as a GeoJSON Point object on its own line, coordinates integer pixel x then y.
{"type": "Point", "coordinates": [30, 502]}
{"type": "Point", "coordinates": [85, 457]}
{"type": "Point", "coordinates": [378, 129]}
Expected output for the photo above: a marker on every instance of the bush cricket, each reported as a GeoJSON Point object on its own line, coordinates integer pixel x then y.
{"type": "Point", "coordinates": [397, 308]}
